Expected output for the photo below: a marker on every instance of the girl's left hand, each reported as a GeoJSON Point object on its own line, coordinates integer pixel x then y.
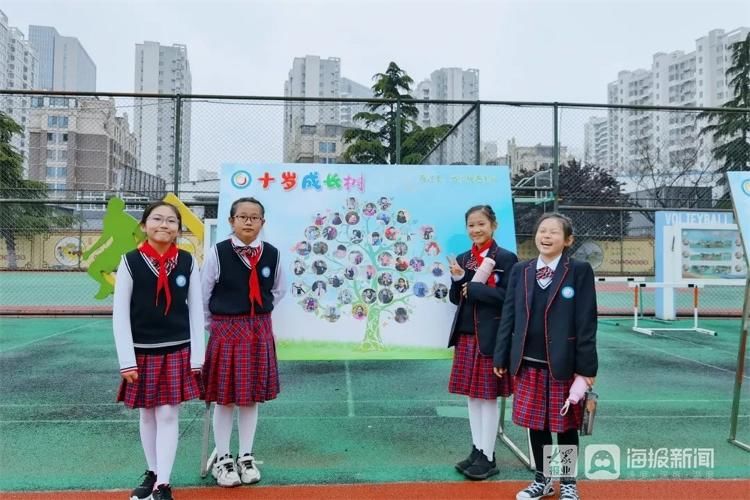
{"type": "Point", "coordinates": [589, 380]}
{"type": "Point", "coordinates": [464, 289]}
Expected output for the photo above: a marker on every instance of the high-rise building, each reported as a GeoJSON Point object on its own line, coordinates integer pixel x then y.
{"type": "Point", "coordinates": [80, 144]}
{"type": "Point", "coordinates": [451, 84]}
{"type": "Point", "coordinates": [671, 141]}
{"type": "Point", "coordinates": [310, 76]}
{"type": "Point", "coordinates": [351, 89]}
{"type": "Point", "coordinates": [313, 131]}
{"type": "Point", "coordinates": [19, 70]}
{"type": "Point", "coordinates": [63, 62]}
{"type": "Point", "coordinates": [161, 69]}
{"type": "Point", "coordinates": [596, 141]}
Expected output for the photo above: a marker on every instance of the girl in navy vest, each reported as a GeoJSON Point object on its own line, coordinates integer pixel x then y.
{"type": "Point", "coordinates": [157, 320]}
{"type": "Point", "coordinates": [242, 281]}
{"type": "Point", "coordinates": [479, 290]}
{"type": "Point", "coordinates": [547, 338]}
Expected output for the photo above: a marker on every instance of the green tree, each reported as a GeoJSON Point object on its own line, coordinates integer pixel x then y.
{"type": "Point", "coordinates": [731, 130]}
{"type": "Point", "coordinates": [22, 219]}
{"type": "Point", "coordinates": [377, 141]}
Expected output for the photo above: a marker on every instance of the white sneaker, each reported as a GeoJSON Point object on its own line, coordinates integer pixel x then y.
{"type": "Point", "coordinates": [225, 473]}
{"type": "Point", "coordinates": [249, 472]}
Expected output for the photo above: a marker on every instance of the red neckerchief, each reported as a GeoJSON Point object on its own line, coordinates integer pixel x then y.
{"type": "Point", "coordinates": [252, 255]}
{"type": "Point", "coordinates": [164, 265]}
{"type": "Point", "coordinates": [476, 253]}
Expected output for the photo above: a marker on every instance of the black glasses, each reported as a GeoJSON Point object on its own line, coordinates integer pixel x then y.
{"type": "Point", "coordinates": [158, 219]}
{"type": "Point", "coordinates": [245, 218]}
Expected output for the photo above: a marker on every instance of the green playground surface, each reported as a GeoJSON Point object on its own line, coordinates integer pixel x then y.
{"type": "Point", "coordinates": [353, 421]}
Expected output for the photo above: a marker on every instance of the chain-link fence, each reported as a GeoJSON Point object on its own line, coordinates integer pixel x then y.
{"type": "Point", "coordinates": [610, 168]}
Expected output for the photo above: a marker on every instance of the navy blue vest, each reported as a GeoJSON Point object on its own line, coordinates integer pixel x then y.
{"type": "Point", "coordinates": [230, 295]}
{"type": "Point", "coordinates": [150, 327]}
{"type": "Point", "coordinates": [535, 339]}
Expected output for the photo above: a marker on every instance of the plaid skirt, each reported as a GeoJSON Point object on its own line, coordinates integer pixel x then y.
{"type": "Point", "coordinates": [163, 379]}
{"type": "Point", "coordinates": [538, 399]}
{"type": "Point", "coordinates": [240, 365]}
{"type": "Point", "coordinates": [472, 375]}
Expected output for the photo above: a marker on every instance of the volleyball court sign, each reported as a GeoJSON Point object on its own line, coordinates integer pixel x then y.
{"type": "Point", "coordinates": [364, 247]}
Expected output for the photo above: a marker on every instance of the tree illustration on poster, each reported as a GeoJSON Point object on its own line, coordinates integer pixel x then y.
{"type": "Point", "coordinates": [367, 258]}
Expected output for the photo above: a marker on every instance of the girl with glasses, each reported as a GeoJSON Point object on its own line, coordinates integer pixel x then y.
{"type": "Point", "coordinates": [157, 320]}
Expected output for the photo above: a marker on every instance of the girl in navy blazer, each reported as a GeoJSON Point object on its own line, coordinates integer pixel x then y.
{"type": "Point", "coordinates": [473, 334]}
{"type": "Point", "coordinates": [547, 336]}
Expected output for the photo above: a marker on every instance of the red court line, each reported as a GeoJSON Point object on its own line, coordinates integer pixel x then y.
{"type": "Point", "coordinates": [55, 310]}
{"type": "Point", "coordinates": [693, 489]}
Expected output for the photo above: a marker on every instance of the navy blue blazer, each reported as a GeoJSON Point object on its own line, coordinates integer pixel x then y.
{"type": "Point", "coordinates": [570, 319]}
{"type": "Point", "coordinates": [486, 302]}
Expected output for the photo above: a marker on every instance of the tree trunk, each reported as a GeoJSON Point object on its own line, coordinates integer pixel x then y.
{"type": "Point", "coordinates": [372, 340]}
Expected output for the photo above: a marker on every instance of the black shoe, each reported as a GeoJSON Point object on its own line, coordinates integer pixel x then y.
{"type": "Point", "coordinates": [541, 487]}
{"type": "Point", "coordinates": [482, 468]}
{"type": "Point", "coordinates": [162, 492]}
{"type": "Point", "coordinates": [464, 464]}
{"type": "Point", "coordinates": [569, 491]}
{"type": "Point", "coordinates": [143, 491]}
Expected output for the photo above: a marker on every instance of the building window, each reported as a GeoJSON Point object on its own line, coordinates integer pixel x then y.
{"type": "Point", "coordinates": [307, 129]}
{"type": "Point", "coordinates": [327, 147]}
{"type": "Point", "coordinates": [56, 171]}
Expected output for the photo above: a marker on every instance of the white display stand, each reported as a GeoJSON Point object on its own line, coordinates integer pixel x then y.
{"type": "Point", "coordinates": [678, 258]}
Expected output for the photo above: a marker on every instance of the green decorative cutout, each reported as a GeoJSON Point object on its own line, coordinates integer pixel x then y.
{"type": "Point", "coordinates": [121, 232]}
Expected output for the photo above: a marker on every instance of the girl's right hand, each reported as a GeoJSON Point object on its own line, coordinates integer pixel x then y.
{"type": "Point", "coordinates": [499, 372]}
{"type": "Point", "coordinates": [130, 376]}
{"type": "Point", "coordinates": [456, 269]}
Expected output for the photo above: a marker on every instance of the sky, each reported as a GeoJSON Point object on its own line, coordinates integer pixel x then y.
{"type": "Point", "coordinates": [525, 50]}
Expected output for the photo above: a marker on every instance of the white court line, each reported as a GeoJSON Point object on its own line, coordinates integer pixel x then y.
{"type": "Point", "coordinates": [686, 359]}
{"type": "Point", "coordinates": [336, 417]}
{"type": "Point", "coordinates": [683, 339]}
{"type": "Point", "coordinates": [48, 337]}
{"type": "Point", "coordinates": [349, 395]}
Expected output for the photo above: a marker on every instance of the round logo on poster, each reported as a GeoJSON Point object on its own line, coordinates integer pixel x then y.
{"type": "Point", "coordinates": [241, 179]}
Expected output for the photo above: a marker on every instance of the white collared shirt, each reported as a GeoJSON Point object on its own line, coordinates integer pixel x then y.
{"type": "Point", "coordinates": [210, 275]}
{"type": "Point", "coordinates": [552, 265]}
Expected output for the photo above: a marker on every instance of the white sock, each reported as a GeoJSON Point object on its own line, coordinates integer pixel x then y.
{"type": "Point", "coordinates": [490, 424]}
{"type": "Point", "coordinates": [475, 421]}
{"type": "Point", "coordinates": [222, 428]}
{"type": "Point", "coordinates": [148, 436]}
{"type": "Point", "coordinates": [167, 433]}
{"type": "Point", "coordinates": [247, 423]}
